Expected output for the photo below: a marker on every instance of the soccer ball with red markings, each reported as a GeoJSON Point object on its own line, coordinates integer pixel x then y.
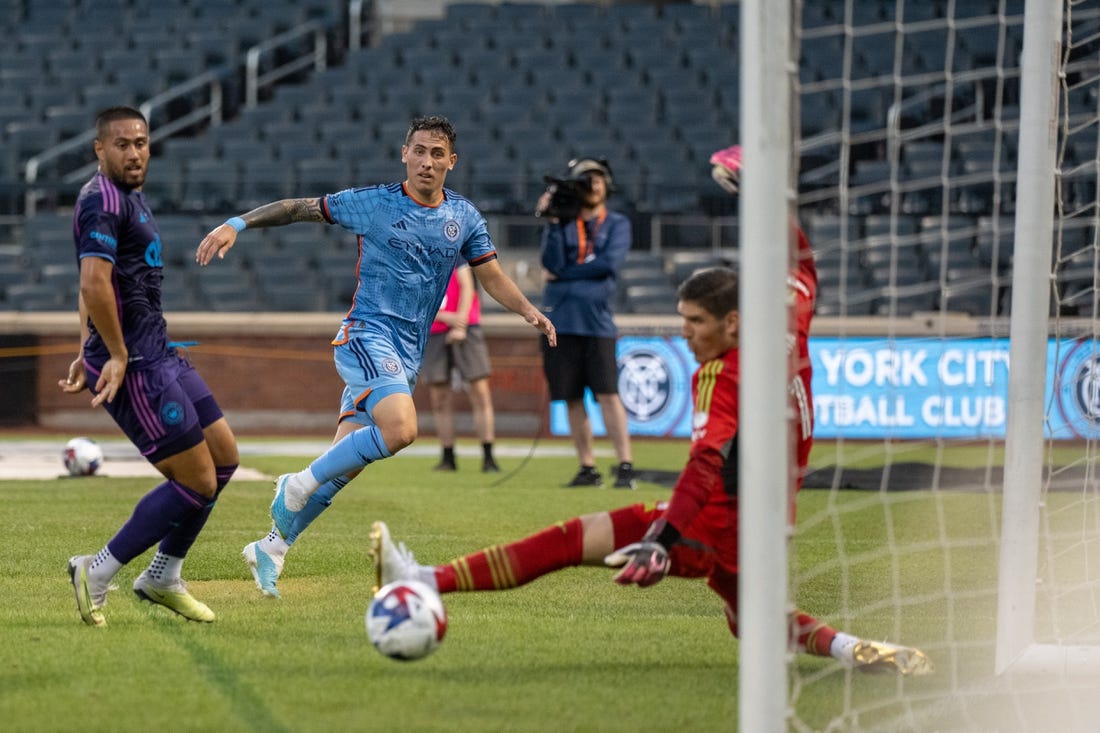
{"type": "Point", "coordinates": [82, 457]}
{"type": "Point", "coordinates": [406, 620]}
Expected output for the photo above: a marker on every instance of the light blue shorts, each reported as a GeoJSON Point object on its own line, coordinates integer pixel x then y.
{"type": "Point", "coordinates": [371, 369]}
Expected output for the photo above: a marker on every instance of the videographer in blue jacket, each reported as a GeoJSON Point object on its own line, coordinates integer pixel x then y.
{"type": "Point", "coordinates": [584, 244]}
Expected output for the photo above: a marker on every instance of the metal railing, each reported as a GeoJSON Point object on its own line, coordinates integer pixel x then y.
{"type": "Point", "coordinates": [317, 58]}
{"type": "Point", "coordinates": [360, 22]}
{"type": "Point", "coordinates": [210, 112]}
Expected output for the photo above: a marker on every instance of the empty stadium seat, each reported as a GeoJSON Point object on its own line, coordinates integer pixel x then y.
{"type": "Point", "coordinates": [262, 181]}
{"type": "Point", "coordinates": [683, 264]}
{"type": "Point", "coordinates": [651, 299]}
{"type": "Point", "coordinates": [317, 177]}
{"type": "Point", "coordinates": [924, 51]}
{"type": "Point", "coordinates": [209, 184]}
{"type": "Point", "coordinates": [572, 78]}
{"type": "Point", "coordinates": [974, 291]}
{"type": "Point", "coordinates": [995, 240]}
{"type": "Point", "coordinates": [903, 303]}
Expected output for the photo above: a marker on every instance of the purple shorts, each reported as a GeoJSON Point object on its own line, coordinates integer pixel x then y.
{"type": "Point", "coordinates": [162, 410]}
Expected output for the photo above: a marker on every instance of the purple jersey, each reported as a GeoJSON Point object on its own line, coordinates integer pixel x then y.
{"type": "Point", "coordinates": [115, 223]}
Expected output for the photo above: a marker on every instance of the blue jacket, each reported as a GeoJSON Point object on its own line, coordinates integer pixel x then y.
{"type": "Point", "coordinates": [579, 301]}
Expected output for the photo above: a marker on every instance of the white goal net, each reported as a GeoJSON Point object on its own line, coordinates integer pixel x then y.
{"type": "Point", "coordinates": [947, 180]}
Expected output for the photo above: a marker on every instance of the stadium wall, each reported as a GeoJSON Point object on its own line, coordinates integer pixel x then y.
{"type": "Point", "coordinates": [273, 372]}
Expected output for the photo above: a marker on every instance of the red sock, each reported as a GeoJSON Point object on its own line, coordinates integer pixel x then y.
{"type": "Point", "coordinates": [806, 632]}
{"type": "Point", "coordinates": [508, 566]}
{"type": "Point", "coordinates": [810, 635]}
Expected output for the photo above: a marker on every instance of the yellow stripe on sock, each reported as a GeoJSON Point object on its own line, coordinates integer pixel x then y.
{"type": "Point", "coordinates": [463, 578]}
{"type": "Point", "coordinates": [811, 637]}
{"type": "Point", "coordinates": [498, 566]}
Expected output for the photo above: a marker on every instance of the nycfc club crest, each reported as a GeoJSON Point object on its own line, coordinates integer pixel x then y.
{"type": "Point", "coordinates": [1078, 389]}
{"type": "Point", "coordinates": [643, 384]}
{"type": "Point", "coordinates": [651, 376]}
{"type": "Point", "coordinates": [451, 230]}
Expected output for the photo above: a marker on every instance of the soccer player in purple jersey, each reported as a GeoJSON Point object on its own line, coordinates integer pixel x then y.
{"type": "Point", "coordinates": [410, 237]}
{"type": "Point", "coordinates": [156, 397]}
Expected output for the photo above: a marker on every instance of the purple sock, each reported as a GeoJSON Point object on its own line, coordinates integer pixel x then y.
{"type": "Point", "coordinates": [157, 513]}
{"type": "Point", "coordinates": [177, 542]}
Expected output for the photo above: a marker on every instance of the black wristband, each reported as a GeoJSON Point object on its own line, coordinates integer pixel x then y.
{"type": "Point", "coordinates": [662, 533]}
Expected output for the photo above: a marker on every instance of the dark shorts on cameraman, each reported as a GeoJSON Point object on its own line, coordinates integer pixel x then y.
{"type": "Point", "coordinates": [162, 410]}
{"type": "Point", "coordinates": [578, 362]}
{"type": "Point", "coordinates": [470, 357]}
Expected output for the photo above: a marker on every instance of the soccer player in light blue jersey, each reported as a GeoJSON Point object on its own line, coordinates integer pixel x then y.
{"type": "Point", "coordinates": [410, 235]}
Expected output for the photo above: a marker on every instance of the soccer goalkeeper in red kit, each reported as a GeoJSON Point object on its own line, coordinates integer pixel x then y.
{"type": "Point", "coordinates": [695, 533]}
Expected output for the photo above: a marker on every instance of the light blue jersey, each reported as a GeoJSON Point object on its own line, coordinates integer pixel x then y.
{"type": "Point", "coordinates": [407, 251]}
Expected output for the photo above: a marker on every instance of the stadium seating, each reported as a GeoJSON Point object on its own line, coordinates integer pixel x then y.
{"type": "Point", "coordinates": [650, 85]}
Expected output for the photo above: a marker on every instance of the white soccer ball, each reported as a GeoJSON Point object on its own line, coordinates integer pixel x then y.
{"type": "Point", "coordinates": [82, 457]}
{"type": "Point", "coordinates": [406, 620]}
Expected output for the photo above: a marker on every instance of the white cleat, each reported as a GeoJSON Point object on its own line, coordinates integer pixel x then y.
{"type": "Point", "coordinates": [265, 568]}
{"type": "Point", "coordinates": [391, 562]}
{"type": "Point", "coordinates": [882, 656]}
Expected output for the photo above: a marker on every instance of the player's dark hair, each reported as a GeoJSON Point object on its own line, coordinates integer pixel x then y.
{"type": "Point", "coordinates": [432, 123]}
{"type": "Point", "coordinates": [114, 114]}
{"type": "Point", "coordinates": [714, 289]}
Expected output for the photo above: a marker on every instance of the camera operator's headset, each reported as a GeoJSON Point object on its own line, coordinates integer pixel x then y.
{"type": "Point", "coordinates": [579, 166]}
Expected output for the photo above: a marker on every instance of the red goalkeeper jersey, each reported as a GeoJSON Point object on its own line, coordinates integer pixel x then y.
{"type": "Point", "coordinates": [710, 477]}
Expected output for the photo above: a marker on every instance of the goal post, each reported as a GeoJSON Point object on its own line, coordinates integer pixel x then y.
{"type": "Point", "coordinates": [1045, 132]}
{"type": "Point", "coordinates": [765, 200]}
{"type": "Point", "coordinates": [946, 163]}
{"type": "Point", "coordinates": [1028, 333]}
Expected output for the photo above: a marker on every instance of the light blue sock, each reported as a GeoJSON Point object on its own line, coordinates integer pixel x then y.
{"type": "Point", "coordinates": [355, 451]}
{"type": "Point", "coordinates": [318, 502]}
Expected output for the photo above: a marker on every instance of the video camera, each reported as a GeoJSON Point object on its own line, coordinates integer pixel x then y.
{"type": "Point", "coordinates": [567, 192]}
{"type": "Point", "coordinates": [566, 195]}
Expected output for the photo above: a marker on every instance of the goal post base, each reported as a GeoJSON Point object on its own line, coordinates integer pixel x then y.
{"type": "Point", "coordinates": [1055, 659]}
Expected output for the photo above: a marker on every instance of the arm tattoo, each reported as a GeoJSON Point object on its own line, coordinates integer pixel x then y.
{"type": "Point", "coordinates": [286, 211]}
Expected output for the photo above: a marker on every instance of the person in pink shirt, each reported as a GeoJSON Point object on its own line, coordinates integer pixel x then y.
{"type": "Point", "coordinates": [456, 355]}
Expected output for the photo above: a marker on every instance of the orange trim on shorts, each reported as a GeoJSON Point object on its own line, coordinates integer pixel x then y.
{"type": "Point", "coordinates": [338, 341]}
{"type": "Point", "coordinates": [347, 414]}
{"type": "Point", "coordinates": [362, 398]}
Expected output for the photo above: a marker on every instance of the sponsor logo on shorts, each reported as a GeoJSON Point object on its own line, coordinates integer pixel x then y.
{"type": "Point", "coordinates": [171, 413]}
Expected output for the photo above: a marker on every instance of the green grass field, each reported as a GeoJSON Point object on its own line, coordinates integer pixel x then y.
{"type": "Point", "coordinates": [571, 651]}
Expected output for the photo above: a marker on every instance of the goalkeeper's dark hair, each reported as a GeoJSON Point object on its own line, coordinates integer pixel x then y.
{"type": "Point", "coordinates": [714, 289]}
{"type": "Point", "coordinates": [114, 114]}
{"type": "Point", "coordinates": [432, 123]}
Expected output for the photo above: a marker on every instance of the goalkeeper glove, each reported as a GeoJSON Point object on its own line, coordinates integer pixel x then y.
{"type": "Point", "coordinates": [645, 562]}
{"type": "Point", "coordinates": [726, 168]}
